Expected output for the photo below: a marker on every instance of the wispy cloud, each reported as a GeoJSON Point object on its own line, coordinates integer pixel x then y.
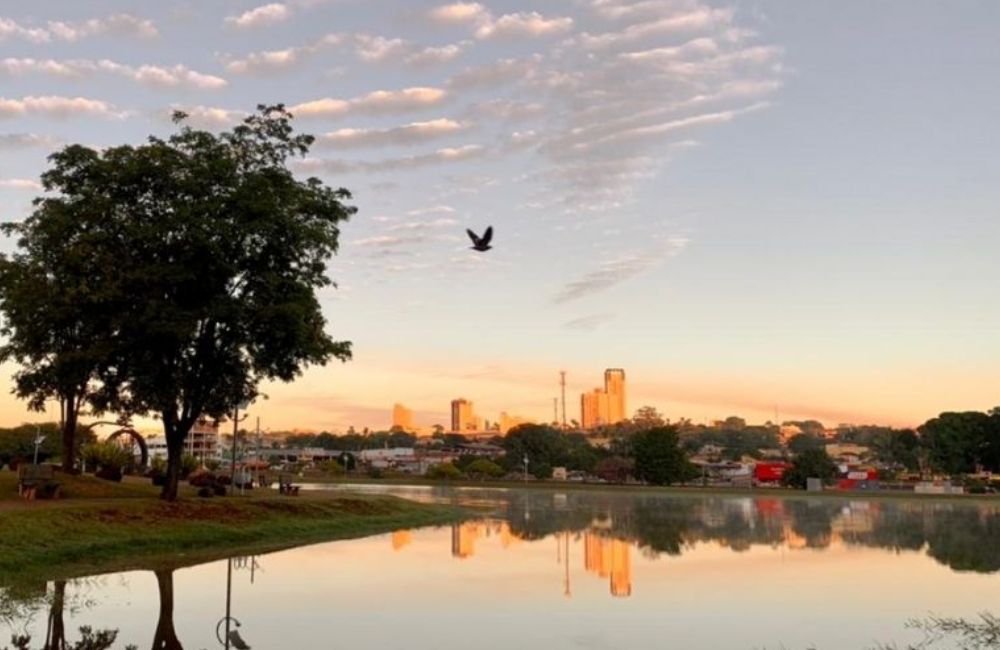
{"type": "Point", "coordinates": [120, 23]}
{"type": "Point", "coordinates": [440, 156]}
{"type": "Point", "coordinates": [589, 323]}
{"type": "Point", "coordinates": [407, 134]}
{"type": "Point", "coordinates": [522, 24]}
{"type": "Point", "coordinates": [614, 272]}
{"type": "Point", "coordinates": [26, 184]}
{"type": "Point", "coordinates": [261, 16]}
{"type": "Point", "coordinates": [150, 75]}
{"type": "Point", "coordinates": [379, 101]}
{"type": "Point", "coordinates": [57, 107]}
{"type": "Point", "coordinates": [10, 141]}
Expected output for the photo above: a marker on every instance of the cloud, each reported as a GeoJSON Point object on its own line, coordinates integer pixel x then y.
{"type": "Point", "coordinates": [121, 23]}
{"type": "Point", "coordinates": [261, 16]}
{"type": "Point", "coordinates": [125, 24]}
{"type": "Point", "coordinates": [522, 24]}
{"type": "Point", "coordinates": [435, 55]}
{"type": "Point", "coordinates": [440, 156]}
{"type": "Point", "coordinates": [408, 134]}
{"type": "Point", "coordinates": [20, 184]}
{"type": "Point", "coordinates": [57, 107]}
{"type": "Point", "coordinates": [589, 323]}
{"type": "Point", "coordinates": [459, 12]}
{"type": "Point", "coordinates": [152, 75]}
{"type": "Point", "coordinates": [379, 101]}
{"type": "Point", "coordinates": [614, 272]}
{"type": "Point", "coordinates": [378, 48]}
{"type": "Point", "coordinates": [699, 19]}
{"type": "Point", "coordinates": [388, 241]}
{"type": "Point", "coordinates": [271, 61]}
{"type": "Point", "coordinates": [500, 72]}
{"type": "Point", "coordinates": [12, 29]}
{"type": "Point", "coordinates": [9, 141]}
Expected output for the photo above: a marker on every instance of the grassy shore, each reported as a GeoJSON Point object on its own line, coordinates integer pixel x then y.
{"type": "Point", "coordinates": [104, 527]}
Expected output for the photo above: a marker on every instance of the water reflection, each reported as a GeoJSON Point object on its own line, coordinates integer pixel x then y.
{"type": "Point", "coordinates": [798, 572]}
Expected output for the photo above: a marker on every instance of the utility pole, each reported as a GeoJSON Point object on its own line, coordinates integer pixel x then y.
{"type": "Point", "coordinates": [562, 385]}
{"type": "Point", "coordinates": [555, 411]}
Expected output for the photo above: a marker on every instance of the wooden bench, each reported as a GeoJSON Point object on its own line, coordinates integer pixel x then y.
{"type": "Point", "coordinates": [37, 482]}
{"type": "Point", "coordinates": [285, 487]}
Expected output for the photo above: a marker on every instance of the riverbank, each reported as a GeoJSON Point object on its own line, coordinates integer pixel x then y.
{"type": "Point", "coordinates": [669, 490]}
{"type": "Point", "coordinates": [84, 536]}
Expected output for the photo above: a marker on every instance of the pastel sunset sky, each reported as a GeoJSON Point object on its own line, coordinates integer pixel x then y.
{"type": "Point", "coordinates": [750, 206]}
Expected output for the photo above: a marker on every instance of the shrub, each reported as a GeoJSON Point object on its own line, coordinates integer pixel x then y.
{"type": "Point", "coordinates": [108, 459]}
{"type": "Point", "coordinates": [482, 469]}
{"type": "Point", "coordinates": [445, 471]}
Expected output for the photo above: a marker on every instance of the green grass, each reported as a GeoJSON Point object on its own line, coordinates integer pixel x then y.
{"type": "Point", "coordinates": [97, 534]}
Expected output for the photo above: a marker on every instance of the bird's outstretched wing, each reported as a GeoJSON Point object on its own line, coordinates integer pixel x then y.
{"type": "Point", "coordinates": [487, 236]}
{"type": "Point", "coordinates": [473, 236]}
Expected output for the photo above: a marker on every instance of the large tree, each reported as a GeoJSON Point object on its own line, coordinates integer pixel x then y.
{"type": "Point", "coordinates": [219, 252]}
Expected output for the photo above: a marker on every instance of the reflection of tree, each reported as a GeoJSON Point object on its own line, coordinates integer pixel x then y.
{"type": "Point", "coordinates": [813, 520]}
{"type": "Point", "coordinates": [55, 634]}
{"type": "Point", "coordinates": [165, 637]}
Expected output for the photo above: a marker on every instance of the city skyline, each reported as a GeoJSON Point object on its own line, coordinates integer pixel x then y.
{"type": "Point", "coordinates": [755, 208]}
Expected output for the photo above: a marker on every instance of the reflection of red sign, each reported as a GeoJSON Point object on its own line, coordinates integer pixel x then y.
{"type": "Point", "coordinates": [770, 471]}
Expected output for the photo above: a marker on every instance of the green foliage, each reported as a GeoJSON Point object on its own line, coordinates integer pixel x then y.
{"type": "Point", "coordinates": [483, 468]}
{"type": "Point", "coordinates": [659, 459]}
{"type": "Point", "coordinates": [105, 456]}
{"type": "Point", "coordinates": [962, 442]}
{"type": "Point", "coordinates": [222, 247]}
{"type": "Point", "coordinates": [801, 442]}
{"type": "Point", "coordinates": [811, 463]}
{"type": "Point", "coordinates": [615, 469]}
{"type": "Point", "coordinates": [18, 443]}
{"type": "Point", "coordinates": [332, 467]}
{"type": "Point", "coordinates": [443, 471]}
{"type": "Point", "coordinates": [546, 447]}
{"type": "Point", "coordinates": [89, 640]}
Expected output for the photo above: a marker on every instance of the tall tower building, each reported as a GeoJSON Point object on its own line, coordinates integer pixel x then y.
{"type": "Point", "coordinates": [402, 417]}
{"type": "Point", "coordinates": [614, 386]}
{"type": "Point", "coordinates": [463, 418]}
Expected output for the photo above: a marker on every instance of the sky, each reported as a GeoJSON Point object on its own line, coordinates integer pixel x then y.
{"type": "Point", "coordinates": [763, 208]}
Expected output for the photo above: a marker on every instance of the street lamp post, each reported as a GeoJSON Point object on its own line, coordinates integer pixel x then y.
{"type": "Point", "coordinates": [39, 439]}
{"type": "Point", "coordinates": [526, 468]}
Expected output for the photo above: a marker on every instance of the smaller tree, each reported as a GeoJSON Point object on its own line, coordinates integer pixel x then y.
{"type": "Point", "coordinates": [811, 463]}
{"type": "Point", "coordinates": [445, 471]}
{"type": "Point", "coordinates": [482, 469]}
{"type": "Point", "coordinates": [614, 469]}
{"type": "Point", "coordinates": [659, 459]}
{"type": "Point", "coordinates": [801, 442]}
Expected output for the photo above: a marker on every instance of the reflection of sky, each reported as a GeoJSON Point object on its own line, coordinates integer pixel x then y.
{"type": "Point", "coordinates": [413, 590]}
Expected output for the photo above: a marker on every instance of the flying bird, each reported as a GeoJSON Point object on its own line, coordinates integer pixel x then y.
{"type": "Point", "coordinates": [481, 244]}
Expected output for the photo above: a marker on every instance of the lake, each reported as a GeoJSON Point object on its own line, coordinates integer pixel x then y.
{"type": "Point", "coordinates": [578, 569]}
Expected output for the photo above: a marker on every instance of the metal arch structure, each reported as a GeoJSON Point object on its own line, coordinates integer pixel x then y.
{"type": "Point", "coordinates": [138, 439]}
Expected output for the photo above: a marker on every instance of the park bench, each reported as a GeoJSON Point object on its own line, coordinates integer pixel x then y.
{"type": "Point", "coordinates": [285, 487]}
{"type": "Point", "coordinates": [37, 482]}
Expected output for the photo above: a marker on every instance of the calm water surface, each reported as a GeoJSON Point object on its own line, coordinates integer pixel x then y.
{"type": "Point", "coordinates": [552, 570]}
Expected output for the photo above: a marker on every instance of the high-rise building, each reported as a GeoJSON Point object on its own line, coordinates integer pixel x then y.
{"type": "Point", "coordinates": [614, 386]}
{"type": "Point", "coordinates": [607, 405]}
{"type": "Point", "coordinates": [508, 422]}
{"type": "Point", "coordinates": [402, 417]}
{"type": "Point", "coordinates": [609, 558]}
{"type": "Point", "coordinates": [593, 409]}
{"type": "Point", "coordinates": [463, 418]}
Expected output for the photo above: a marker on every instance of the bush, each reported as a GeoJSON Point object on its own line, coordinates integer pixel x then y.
{"type": "Point", "coordinates": [445, 471]}
{"type": "Point", "coordinates": [483, 469]}
{"type": "Point", "coordinates": [332, 467]}
{"type": "Point", "coordinates": [108, 459]}
{"type": "Point", "coordinates": [202, 478]}
{"type": "Point", "coordinates": [812, 463]}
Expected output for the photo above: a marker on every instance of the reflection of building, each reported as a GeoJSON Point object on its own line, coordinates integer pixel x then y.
{"type": "Point", "coordinates": [607, 405]}
{"type": "Point", "coordinates": [609, 558]}
{"type": "Point", "coordinates": [402, 417]}
{"type": "Point", "coordinates": [401, 538]}
{"type": "Point", "coordinates": [463, 418]}
{"type": "Point", "coordinates": [463, 539]}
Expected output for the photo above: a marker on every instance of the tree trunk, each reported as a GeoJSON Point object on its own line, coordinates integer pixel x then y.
{"type": "Point", "coordinates": [175, 453]}
{"type": "Point", "coordinates": [69, 435]}
{"type": "Point", "coordinates": [165, 637]}
{"type": "Point", "coordinates": [55, 638]}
